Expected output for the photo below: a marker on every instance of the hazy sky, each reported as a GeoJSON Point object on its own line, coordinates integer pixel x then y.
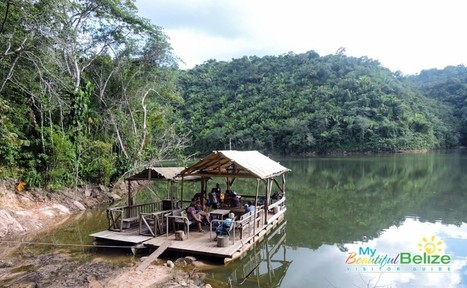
{"type": "Point", "coordinates": [404, 35]}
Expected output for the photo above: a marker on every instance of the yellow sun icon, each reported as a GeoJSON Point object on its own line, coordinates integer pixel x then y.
{"type": "Point", "coordinates": [432, 246]}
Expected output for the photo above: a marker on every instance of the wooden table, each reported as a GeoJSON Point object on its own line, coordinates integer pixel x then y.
{"type": "Point", "coordinates": [219, 213]}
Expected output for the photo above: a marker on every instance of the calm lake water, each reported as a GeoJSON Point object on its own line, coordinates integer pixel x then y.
{"type": "Point", "coordinates": [340, 210]}
{"type": "Point", "coordinates": [390, 210]}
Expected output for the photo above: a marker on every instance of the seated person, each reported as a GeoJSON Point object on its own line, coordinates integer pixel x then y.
{"type": "Point", "coordinates": [196, 197]}
{"type": "Point", "coordinates": [225, 227]}
{"type": "Point", "coordinates": [276, 196]}
{"type": "Point", "coordinates": [233, 199]}
{"type": "Point", "coordinates": [196, 214]}
{"type": "Point", "coordinates": [249, 207]}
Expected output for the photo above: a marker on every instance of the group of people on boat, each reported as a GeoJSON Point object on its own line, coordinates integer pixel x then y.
{"type": "Point", "coordinates": [197, 213]}
{"type": "Point", "coordinates": [217, 198]}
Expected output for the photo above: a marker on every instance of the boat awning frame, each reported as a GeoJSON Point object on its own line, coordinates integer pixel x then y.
{"type": "Point", "coordinates": [233, 164]}
{"type": "Point", "coordinates": [161, 173]}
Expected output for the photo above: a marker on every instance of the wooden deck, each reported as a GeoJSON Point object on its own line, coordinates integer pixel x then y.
{"type": "Point", "coordinates": [197, 243]}
{"type": "Point", "coordinates": [202, 243]}
{"type": "Point", "coordinates": [130, 236]}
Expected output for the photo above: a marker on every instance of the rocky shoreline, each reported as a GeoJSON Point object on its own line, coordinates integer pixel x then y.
{"type": "Point", "coordinates": [32, 211]}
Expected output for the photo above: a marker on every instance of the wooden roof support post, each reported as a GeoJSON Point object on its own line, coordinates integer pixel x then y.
{"type": "Point", "coordinates": [130, 198]}
{"type": "Point", "coordinates": [169, 189]}
{"type": "Point", "coordinates": [256, 207]}
{"type": "Point", "coordinates": [204, 184]}
{"type": "Point", "coordinates": [268, 196]}
{"type": "Point", "coordinates": [181, 192]}
{"type": "Point", "coordinates": [283, 184]}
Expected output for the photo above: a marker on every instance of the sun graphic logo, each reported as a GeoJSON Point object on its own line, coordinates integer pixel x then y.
{"type": "Point", "coordinates": [431, 245]}
{"type": "Point", "coordinates": [432, 253]}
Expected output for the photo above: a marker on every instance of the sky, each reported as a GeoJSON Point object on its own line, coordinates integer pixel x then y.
{"type": "Point", "coordinates": [403, 35]}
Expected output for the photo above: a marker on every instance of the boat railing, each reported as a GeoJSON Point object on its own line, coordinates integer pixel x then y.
{"type": "Point", "coordinates": [120, 218]}
{"type": "Point", "coordinates": [277, 208]}
{"type": "Point", "coordinates": [153, 223]}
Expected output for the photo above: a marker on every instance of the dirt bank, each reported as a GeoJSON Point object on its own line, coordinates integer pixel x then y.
{"type": "Point", "coordinates": [31, 211]}
{"type": "Point", "coordinates": [59, 269]}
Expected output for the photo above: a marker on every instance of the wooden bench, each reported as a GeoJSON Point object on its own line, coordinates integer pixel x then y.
{"type": "Point", "coordinates": [126, 222]}
{"type": "Point", "coordinates": [123, 217]}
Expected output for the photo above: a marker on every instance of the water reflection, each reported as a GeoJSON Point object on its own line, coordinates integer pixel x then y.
{"type": "Point", "coordinates": [328, 269]}
{"type": "Point", "coordinates": [384, 202]}
{"type": "Point", "coordinates": [336, 205]}
{"type": "Point", "coordinates": [348, 199]}
{"type": "Point", "coordinates": [71, 234]}
{"type": "Point", "coordinates": [264, 266]}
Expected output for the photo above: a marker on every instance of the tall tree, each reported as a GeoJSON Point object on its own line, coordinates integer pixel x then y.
{"type": "Point", "coordinates": [78, 68]}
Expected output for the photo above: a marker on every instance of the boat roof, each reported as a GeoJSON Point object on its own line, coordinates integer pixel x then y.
{"type": "Point", "coordinates": [232, 163]}
{"type": "Point", "coordinates": [161, 173]}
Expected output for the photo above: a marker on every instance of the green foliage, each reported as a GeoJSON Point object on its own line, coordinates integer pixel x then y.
{"type": "Point", "coordinates": [86, 91]}
{"type": "Point", "coordinates": [52, 168]}
{"type": "Point", "coordinates": [449, 86]}
{"type": "Point", "coordinates": [10, 143]}
{"type": "Point", "coordinates": [90, 91]}
{"type": "Point", "coordinates": [300, 104]}
{"type": "Point", "coordinates": [97, 162]}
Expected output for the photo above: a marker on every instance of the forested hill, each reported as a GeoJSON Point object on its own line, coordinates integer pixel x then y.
{"type": "Point", "coordinates": [307, 103]}
{"type": "Point", "coordinates": [449, 86]}
{"type": "Point", "coordinates": [90, 91]}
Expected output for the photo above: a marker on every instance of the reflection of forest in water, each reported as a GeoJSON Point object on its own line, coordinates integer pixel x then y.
{"type": "Point", "coordinates": [265, 265]}
{"type": "Point", "coordinates": [340, 200]}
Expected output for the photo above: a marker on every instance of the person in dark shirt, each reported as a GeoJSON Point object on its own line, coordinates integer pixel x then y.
{"type": "Point", "coordinates": [196, 214]}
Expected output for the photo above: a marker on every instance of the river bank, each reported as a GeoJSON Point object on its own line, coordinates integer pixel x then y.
{"type": "Point", "coordinates": [26, 213]}
{"type": "Point", "coordinates": [29, 211]}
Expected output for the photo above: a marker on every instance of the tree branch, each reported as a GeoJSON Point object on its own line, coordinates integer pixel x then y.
{"type": "Point", "coordinates": [145, 114]}
{"type": "Point", "coordinates": [7, 11]}
{"type": "Point", "coordinates": [120, 141]}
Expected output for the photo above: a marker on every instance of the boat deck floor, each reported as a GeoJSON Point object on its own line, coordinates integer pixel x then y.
{"type": "Point", "coordinates": [130, 236]}
{"type": "Point", "coordinates": [202, 243]}
{"type": "Point", "coordinates": [197, 243]}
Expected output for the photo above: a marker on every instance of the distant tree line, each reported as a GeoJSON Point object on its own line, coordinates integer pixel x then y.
{"type": "Point", "coordinates": [305, 104]}
{"type": "Point", "coordinates": [90, 91]}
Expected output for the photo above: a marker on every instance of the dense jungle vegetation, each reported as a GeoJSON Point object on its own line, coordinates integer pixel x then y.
{"type": "Point", "coordinates": [305, 103]}
{"type": "Point", "coordinates": [90, 91]}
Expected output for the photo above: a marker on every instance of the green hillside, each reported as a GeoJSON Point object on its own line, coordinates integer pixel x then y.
{"type": "Point", "coordinates": [90, 91]}
{"type": "Point", "coordinates": [305, 103]}
{"type": "Point", "coordinates": [448, 85]}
